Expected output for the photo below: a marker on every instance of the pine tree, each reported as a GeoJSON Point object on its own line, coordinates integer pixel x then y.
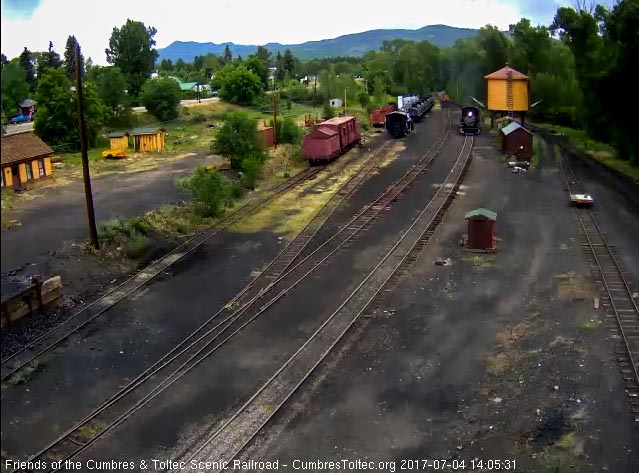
{"type": "Point", "coordinates": [288, 62]}
{"type": "Point", "coordinates": [26, 61]}
{"type": "Point", "coordinates": [279, 64]}
{"type": "Point", "coordinates": [227, 57]}
{"type": "Point", "coordinates": [69, 58]}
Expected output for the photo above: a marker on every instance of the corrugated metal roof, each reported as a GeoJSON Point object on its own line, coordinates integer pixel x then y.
{"type": "Point", "coordinates": [482, 212]}
{"type": "Point", "coordinates": [326, 131]}
{"type": "Point", "coordinates": [511, 127]}
{"type": "Point", "coordinates": [503, 74]}
{"type": "Point", "coordinates": [117, 134]}
{"type": "Point", "coordinates": [146, 131]}
{"type": "Point", "coordinates": [22, 146]}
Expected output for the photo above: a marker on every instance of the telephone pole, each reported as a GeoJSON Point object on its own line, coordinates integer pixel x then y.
{"type": "Point", "coordinates": [274, 119]}
{"type": "Point", "coordinates": [345, 89]}
{"type": "Point", "coordinates": [93, 232]}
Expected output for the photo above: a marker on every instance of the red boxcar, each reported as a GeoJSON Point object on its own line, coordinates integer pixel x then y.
{"type": "Point", "coordinates": [331, 138]}
{"type": "Point", "coordinates": [378, 116]}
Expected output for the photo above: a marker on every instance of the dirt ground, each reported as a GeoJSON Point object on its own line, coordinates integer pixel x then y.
{"type": "Point", "coordinates": [496, 357]}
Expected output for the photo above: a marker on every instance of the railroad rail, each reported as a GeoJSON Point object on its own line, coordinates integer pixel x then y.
{"type": "Point", "coordinates": [189, 353]}
{"type": "Point", "coordinates": [90, 312]}
{"type": "Point", "coordinates": [620, 307]}
{"type": "Point", "coordinates": [229, 440]}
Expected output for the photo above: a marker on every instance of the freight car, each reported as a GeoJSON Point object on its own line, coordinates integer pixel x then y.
{"type": "Point", "coordinates": [378, 116]}
{"type": "Point", "coordinates": [420, 107]}
{"type": "Point", "coordinates": [469, 124]}
{"type": "Point", "coordinates": [399, 124]}
{"type": "Point", "coordinates": [331, 138]}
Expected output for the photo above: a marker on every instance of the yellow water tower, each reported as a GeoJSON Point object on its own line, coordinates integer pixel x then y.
{"type": "Point", "coordinates": [508, 93]}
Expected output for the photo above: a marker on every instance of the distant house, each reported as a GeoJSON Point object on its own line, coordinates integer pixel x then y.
{"type": "Point", "coordinates": [27, 107]}
{"type": "Point", "coordinates": [336, 103]}
{"type": "Point", "coordinates": [119, 140]}
{"type": "Point", "coordinates": [148, 139]}
{"type": "Point", "coordinates": [25, 159]}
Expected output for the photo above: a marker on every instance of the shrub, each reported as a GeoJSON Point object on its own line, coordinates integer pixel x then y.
{"type": "Point", "coordinates": [209, 190]}
{"type": "Point", "coordinates": [130, 235]}
{"type": "Point", "coordinates": [328, 111]}
{"type": "Point", "coordinates": [251, 171]}
{"type": "Point", "coordinates": [287, 131]}
{"type": "Point", "coordinates": [237, 139]}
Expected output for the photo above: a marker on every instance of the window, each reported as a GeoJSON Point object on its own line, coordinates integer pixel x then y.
{"type": "Point", "coordinates": [41, 167]}
{"type": "Point", "coordinates": [29, 171]}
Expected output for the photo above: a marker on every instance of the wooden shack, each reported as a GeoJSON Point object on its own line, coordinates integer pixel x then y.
{"type": "Point", "coordinates": [481, 230]}
{"type": "Point", "coordinates": [508, 93]}
{"type": "Point", "coordinates": [26, 159]}
{"type": "Point", "coordinates": [517, 141]}
{"type": "Point", "coordinates": [266, 136]}
{"type": "Point", "coordinates": [148, 139]}
{"type": "Point", "coordinates": [119, 140]}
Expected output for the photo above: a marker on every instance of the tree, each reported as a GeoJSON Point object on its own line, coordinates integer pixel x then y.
{"type": "Point", "coordinates": [237, 139]}
{"type": "Point", "coordinates": [26, 61]}
{"type": "Point", "coordinates": [495, 46]}
{"type": "Point", "coordinates": [227, 57]}
{"type": "Point", "coordinates": [52, 59]}
{"type": "Point", "coordinates": [3, 60]}
{"type": "Point", "coordinates": [131, 49]}
{"type": "Point", "coordinates": [69, 58]}
{"type": "Point", "coordinates": [259, 68]}
{"type": "Point", "coordinates": [161, 97]}
{"type": "Point", "coordinates": [279, 64]}
{"type": "Point", "coordinates": [288, 61]}
{"type": "Point", "coordinates": [112, 89]}
{"type": "Point", "coordinates": [14, 85]}
{"type": "Point", "coordinates": [239, 85]}
{"type": "Point", "coordinates": [209, 190]}
{"type": "Point", "coordinates": [263, 54]}
{"type": "Point", "coordinates": [57, 119]}
{"type": "Point", "coordinates": [166, 65]}
{"type": "Point", "coordinates": [531, 47]}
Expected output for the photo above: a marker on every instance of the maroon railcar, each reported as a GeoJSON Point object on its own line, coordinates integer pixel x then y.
{"type": "Point", "coordinates": [331, 138]}
{"type": "Point", "coordinates": [378, 116]}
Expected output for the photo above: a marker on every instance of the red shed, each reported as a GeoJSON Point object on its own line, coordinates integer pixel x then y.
{"type": "Point", "coordinates": [517, 141]}
{"type": "Point", "coordinates": [322, 144]}
{"type": "Point", "coordinates": [265, 136]}
{"type": "Point", "coordinates": [481, 230]}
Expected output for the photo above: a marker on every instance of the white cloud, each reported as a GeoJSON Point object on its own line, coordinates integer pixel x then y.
{"type": "Point", "coordinates": [239, 21]}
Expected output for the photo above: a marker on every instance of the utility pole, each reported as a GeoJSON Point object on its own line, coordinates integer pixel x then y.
{"type": "Point", "coordinates": [274, 119]}
{"type": "Point", "coordinates": [93, 232]}
{"type": "Point", "coordinates": [345, 89]}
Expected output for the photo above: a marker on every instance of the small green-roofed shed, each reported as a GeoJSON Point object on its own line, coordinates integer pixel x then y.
{"type": "Point", "coordinates": [147, 139]}
{"type": "Point", "coordinates": [481, 230]}
{"type": "Point", "coordinates": [489, 214]}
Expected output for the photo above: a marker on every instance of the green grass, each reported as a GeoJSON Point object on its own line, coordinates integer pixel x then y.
{"type": "Point", "coordinates": [602, 152]}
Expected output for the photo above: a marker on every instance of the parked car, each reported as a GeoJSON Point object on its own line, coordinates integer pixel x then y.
{"type": "Point", "coordinates": [21, 118]}
{"type": "Point", "coordinates": [114, 154]}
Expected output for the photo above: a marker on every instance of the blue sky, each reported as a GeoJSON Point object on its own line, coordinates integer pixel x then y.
{"type": "Point", "coordinates": [33, 23]}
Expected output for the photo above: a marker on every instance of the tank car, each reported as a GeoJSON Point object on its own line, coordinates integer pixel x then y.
{"type": "Point", "coordinates": [469, 124]}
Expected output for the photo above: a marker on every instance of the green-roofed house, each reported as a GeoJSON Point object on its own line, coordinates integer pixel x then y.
{"type": "Point", "coordinates": [147, 139]}
{"type": "Point", "coordinates": [186, 86]}
{"type": "Point", "coordinates": [481, 230]}
{"type": "Point", "coordinates": [118, 140]}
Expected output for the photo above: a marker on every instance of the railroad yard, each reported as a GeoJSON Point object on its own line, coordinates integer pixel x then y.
{"type": "Point", "coordinates": [338, 316]}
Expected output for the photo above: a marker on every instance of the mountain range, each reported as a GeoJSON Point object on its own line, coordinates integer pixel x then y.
{"type": "Point", "coordinates": [348, 45]}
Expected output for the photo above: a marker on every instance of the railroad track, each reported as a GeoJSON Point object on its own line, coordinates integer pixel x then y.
{"type": "Point", "coordinates": [193, 350]}
{"type": "Point", "coordinates": [90, 312]}
{"type": "Point", "coordinates": [619, 305]}
{"type": "Point", "coordinates": [229, 440]}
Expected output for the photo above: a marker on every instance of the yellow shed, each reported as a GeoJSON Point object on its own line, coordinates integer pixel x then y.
{"type": "Point", "coordinates": [148, 139]}
{"type": "Point", "coordinates": [507, 91]}
{"type": "Point", "coordinates": [119, 140]}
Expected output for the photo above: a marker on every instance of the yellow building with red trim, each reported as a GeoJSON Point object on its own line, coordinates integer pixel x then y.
{"type": "Point", "coordinates": [25, 160]}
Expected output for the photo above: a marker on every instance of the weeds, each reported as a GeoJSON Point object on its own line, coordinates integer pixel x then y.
{"type": "Point", "coordinates": [25, 374]}
{"type": "Point", "coordinates": [130, 235]}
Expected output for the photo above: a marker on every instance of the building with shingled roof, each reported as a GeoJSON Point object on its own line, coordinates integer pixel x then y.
{"type": "Point", "coordinates": [147, 139]}
{"type": "Point", "coordinates": [25, 159]}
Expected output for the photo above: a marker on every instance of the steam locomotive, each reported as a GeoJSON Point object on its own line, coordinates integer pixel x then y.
{"type": "Point", "coordinates": [469, 124]}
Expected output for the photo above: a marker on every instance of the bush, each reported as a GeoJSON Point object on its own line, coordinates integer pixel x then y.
{"type": "Point", "coordinates": [237, 139]}
{"type": "Point", "coordinates": [251, 171]}
{"type": "Point", "coordinates": [130, 235]}
{"type": "Point", "coordinates": [161, 98]}
{"type": "Point", "coordinates": [209, 190]}
{"type": "Point", "coordinates": [328, 111]}
{"type": "Point", "coordinates": [287, 131]}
